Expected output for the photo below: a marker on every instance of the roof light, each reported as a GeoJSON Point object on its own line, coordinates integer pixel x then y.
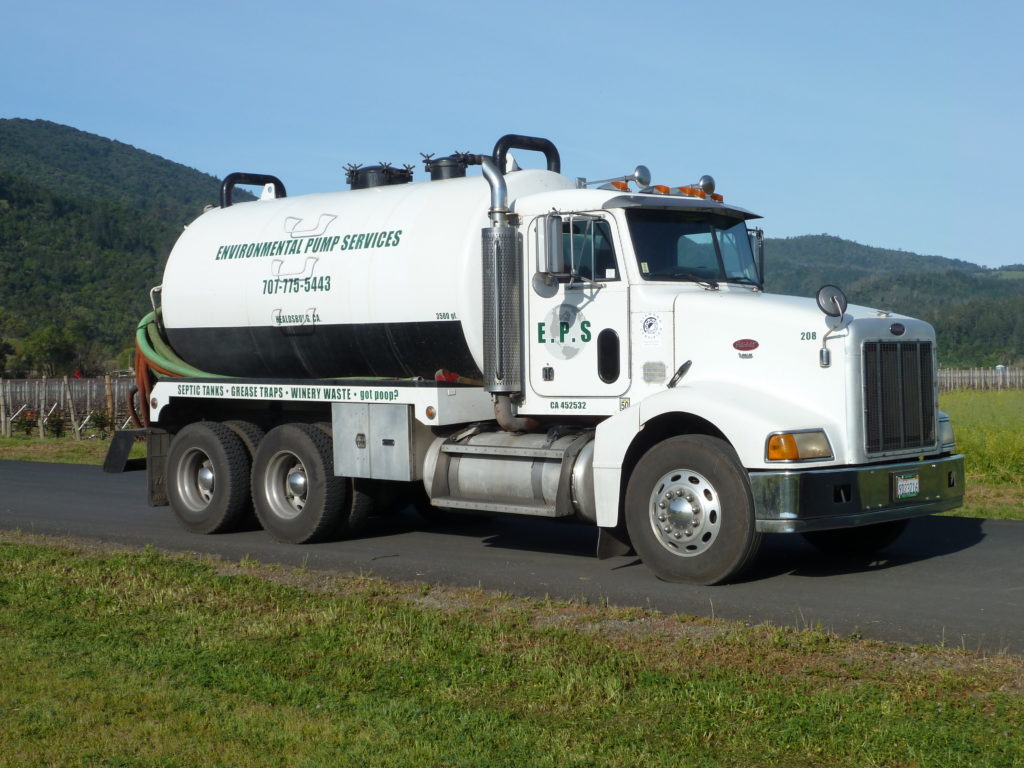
{"type": "Point", "coordinates": [662, 189]}
{"type": "Point", "coordinates": [717, 198]}
{"type": "Point", "coordinates": [692, 192]}
{"type": "Point", "coordinates": [621, 185]}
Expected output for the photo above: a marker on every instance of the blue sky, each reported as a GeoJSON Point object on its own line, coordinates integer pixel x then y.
{"type": "Point", "coordinates": [895, 124]}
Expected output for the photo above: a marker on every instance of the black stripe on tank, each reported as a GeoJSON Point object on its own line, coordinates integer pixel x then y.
{"type": "Point", "coordinates": [397, 350]}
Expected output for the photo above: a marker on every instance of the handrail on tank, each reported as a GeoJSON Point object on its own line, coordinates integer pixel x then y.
{"type": "Point", "coordinates": [257, 179]}
{"type": "Point", "coordinates": [533, 143]}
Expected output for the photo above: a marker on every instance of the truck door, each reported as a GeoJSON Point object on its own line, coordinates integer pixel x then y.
{"type": "Point", "coordinates": [578, 320]}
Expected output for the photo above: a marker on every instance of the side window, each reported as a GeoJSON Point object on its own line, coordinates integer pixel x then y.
{"type": "Point", "coordinates": [734, 245]}
{"type": "Point", "coordinates": [587, 248]}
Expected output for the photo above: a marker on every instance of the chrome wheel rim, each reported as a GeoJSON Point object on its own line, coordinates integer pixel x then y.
{"type": "Point", "coordinates": [286, 485]}
{"type": "Point", "coordinates": [196, 480]}
{"type": "Point", "coordinates": [685, 512]}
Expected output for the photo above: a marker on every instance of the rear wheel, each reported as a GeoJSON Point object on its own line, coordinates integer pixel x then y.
{"type": "Point", "coordinates": [208, 478]}
{"type": "Point", "coordinates": [250, 435]}
{"type": "Point", "coordinates": [689, 512]}
{"type": "Point", "coordinates": [296, 494]}
{"type": "Point", "coordinates": [857, 542]}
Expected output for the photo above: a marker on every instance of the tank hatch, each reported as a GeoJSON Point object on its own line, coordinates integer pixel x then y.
{"type": "Point", "coordinates": [383, 175]}
{"type": "Point", "coordinates": [451, 167]}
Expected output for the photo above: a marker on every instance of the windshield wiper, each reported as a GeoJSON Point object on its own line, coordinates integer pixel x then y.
{"type": "Point", "coordinates": [707, 282]}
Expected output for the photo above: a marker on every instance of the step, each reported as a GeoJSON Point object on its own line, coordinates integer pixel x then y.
{"type": "Point", "coordinates": [511, 508]}
{"type": "Point", "coordinates": [498, 450]}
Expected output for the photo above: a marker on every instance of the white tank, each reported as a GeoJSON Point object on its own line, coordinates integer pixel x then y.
{"type": "Point", "coordinates": [383, 281]}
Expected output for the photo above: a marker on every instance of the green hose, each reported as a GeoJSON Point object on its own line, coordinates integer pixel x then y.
{"type": "Point", "coordinates": [156, 349]}
{"type": "Point", "coordinates": [158, 352]}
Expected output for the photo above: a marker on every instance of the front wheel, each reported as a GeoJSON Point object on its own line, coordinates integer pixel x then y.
{"type": "Point", "coordinates": [689, 512]}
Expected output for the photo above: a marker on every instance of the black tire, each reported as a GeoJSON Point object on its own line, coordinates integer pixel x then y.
{"type": "Point", "coordinates": [208, 478]}
{"type": "Point", "coordinates": [248, 433]}
{"type": "Point", "coordinates": [689, 511]}
{"type": "Point", "coordinates": [362, 495]}
{"type": "Point", "coordinates": [857, 542]}
{"type": "Point", "coordinates": [295, 492]}
{"type": "Point", "coordinates": [361, 504]}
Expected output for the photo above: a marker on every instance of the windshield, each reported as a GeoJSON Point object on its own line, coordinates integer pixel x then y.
{"type": "Point", "coordinates": [675, 245]}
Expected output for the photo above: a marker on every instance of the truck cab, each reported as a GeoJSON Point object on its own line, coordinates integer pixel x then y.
{"type": "Point", "coordinates": [648, 310]}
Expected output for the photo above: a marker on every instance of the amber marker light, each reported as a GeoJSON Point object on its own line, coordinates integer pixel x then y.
{"type": "Point", "coordinates": [717, 198]}
{"type": "Point", "coordinates": [692, 192]}
{"type": "Point", "coordinates": [782, 448]}
{"type": "Point", "coordinates": [662, 189]}
{"type": "Point", "coordinates": [807, 445]}
{"type": "Point", "coordinates": [621, 186]}
{"type": "Point", "coordinates": [431, 412]}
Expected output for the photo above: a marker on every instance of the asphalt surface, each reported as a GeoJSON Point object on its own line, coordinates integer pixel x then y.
{"type": "Point", "coordinates": [952, 581]}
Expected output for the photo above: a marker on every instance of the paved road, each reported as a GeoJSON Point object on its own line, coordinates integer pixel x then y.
{"type": "Point", "coordinates": [946, 580]}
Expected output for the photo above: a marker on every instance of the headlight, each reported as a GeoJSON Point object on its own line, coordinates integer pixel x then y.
{"type": "Point", "coordinates": [798, 445]}
{"type": "Point", "coordinates": [946, 437]}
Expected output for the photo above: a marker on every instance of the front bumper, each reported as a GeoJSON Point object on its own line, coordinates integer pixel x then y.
{"type": "Point", "coordinates": [814, 500]}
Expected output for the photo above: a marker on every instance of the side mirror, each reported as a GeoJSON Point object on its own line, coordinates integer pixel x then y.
{"type": "Point", "coordinates": [832, 301]}
{"type": "Point", "coordinates": [552, 256]}
{"type": "Point", "coordinates": [757, 245]}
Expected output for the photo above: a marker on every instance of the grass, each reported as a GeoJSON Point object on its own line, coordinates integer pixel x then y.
{"type": "Point", "coordinates": [116, 658]}
{"type": "Point", "coordinates": [989, 428]}
{"type": "Point", "coordinates": [62, 451]}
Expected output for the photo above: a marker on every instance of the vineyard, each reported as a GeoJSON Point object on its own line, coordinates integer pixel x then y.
{"type": "Point", "coordinates": [65, 407]}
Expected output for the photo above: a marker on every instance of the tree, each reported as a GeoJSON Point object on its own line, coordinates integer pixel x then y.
{"type": "Point", "coordinates": [50, 351]}
{"type": "Point", "coordinates": [5, 350]}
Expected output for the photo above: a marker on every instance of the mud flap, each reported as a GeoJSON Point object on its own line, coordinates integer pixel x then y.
{"type": "Point", "coordinates": [613, 542]}
{"type": "Point", "coordinates": [117, 460]}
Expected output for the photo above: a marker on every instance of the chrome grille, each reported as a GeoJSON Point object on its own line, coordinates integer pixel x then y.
{"type": "Point", "coordinates": [899, 395]}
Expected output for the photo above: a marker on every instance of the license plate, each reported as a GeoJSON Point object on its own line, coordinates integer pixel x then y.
{"type": "Point", "coordinates": [906, 486]}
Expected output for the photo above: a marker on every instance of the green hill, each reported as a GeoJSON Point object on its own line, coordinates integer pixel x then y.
{"type": "Point", "coordinates": [77, 165]}
{"type": "Point", "coordinates": [86, 224]}
{"type": "Point", "coordinates": [978, 313]}
{"type": "Point", "coordinates": [76, 277]}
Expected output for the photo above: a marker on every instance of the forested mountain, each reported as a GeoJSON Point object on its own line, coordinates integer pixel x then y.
{"type": "Point", "coordinates": [82, 166]}
{"type": "Point", "coordinates": [978, 313]}
{"type": "Point", "coordinates": [75, 276]}
{"type": "Point", "coordinates": [86, 224]}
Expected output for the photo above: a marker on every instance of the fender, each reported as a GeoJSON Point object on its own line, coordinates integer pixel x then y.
{"type": "Point", "coordinates": [725, 404]}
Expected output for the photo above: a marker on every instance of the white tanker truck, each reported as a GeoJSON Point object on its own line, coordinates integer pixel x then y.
{"type": "Point", "coordinates": [524, 343]}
